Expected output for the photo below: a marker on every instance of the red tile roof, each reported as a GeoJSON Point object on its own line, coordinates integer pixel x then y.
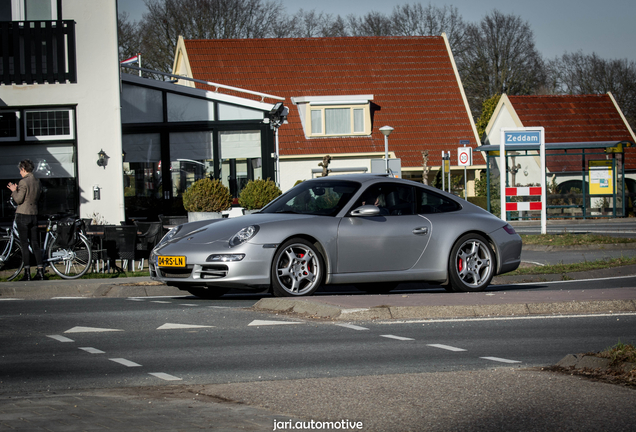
{"type": "Point", "coordinates": [411, 78]}
{"type": "Point", "coordinates": [574, 118]}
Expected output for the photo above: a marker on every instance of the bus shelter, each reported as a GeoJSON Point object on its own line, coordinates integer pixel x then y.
{"type": "Point", "coordinates": [583, 179]}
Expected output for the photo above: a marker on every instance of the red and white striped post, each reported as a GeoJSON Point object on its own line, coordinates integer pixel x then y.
{"type": "Point", "coordinates": [522, 138]}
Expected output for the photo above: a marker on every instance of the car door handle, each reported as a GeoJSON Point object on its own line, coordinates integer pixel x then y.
{"type": "Point", "coordinates": [420, 231]}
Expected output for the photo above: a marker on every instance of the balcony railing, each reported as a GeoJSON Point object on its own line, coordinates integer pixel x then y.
{"type": "Point", "coordinates": [37, 52]}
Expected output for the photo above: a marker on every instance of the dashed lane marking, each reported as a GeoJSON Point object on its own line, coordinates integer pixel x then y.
{"type": "Point", "coordinates": [160, 301]}
{"type": "Point", "coordinates": [165, 376]}
{"type": "Point", "coordinates": [397, 337]}
{"type": "Point", "coordinates": [60, 338]}
{"type": "Point", "coordinates": [125, 362]}
{"type": "Point", "coordinates": [169, 326]}
{"type": "Point", "coordinates": [501, 360]}
{"type": "Point", "coordinates": [268, 323]}
{"type": "Point", "coordinates": [92, 350]}
{"type": "Point", "coordinates": [188, 304]}
{"type": "Point", "coordinates": [351, 326]}
{"type": "Point", "coordinates": [446, 347]}
{"type": "Point", "coordinates": [80, 329]}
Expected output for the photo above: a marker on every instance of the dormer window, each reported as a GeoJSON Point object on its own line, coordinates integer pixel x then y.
{"type": "Point", "coordinates": [331, 116]}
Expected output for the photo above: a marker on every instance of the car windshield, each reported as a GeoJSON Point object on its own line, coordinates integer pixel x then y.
{"type": "Point", "coordinates": [324, 198]}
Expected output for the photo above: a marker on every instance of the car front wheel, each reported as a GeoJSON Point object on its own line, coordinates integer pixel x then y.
{"type": "Point", "coordinates": [297, 269]}
{"type": "Point", "coordinates": [471, 264]}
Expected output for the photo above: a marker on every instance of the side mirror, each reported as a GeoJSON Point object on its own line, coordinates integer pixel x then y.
{"type": "Point", "coordinates": [366, 211]}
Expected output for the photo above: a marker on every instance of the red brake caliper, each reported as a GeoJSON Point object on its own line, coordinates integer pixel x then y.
{"type": "Point", "coordinates": [460, 264]}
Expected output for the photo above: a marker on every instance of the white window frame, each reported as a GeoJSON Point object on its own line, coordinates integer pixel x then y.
{"type": "Point", "coordinates": [308, 105]}
{"type": "Point", "coordinates": [69, 136]}
{"type": "Point", "coordinates": [17, 126]}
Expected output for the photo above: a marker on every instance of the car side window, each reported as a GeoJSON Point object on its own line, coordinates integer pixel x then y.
{"type": "Point", "coordinates": [392, 199]}
{"type": "Point", "coordinates": [430, 202]}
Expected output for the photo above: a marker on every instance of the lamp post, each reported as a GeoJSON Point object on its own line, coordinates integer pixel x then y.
{"type": "Point", "coordinates": [386, 131]}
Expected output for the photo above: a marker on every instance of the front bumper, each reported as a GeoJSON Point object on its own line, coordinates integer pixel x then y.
{"type": "Point", "coordinates": [253, 271]}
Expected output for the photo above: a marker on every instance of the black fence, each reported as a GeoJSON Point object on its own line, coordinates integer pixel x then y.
{"type": "Point", "coordinates": [37, 52]}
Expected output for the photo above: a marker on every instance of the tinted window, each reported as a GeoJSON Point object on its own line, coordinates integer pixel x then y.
{"type": "Point", "coordinates": [392, 199]}
{"type": "Point", "coordinates": [430, 202]}
{"type": "Point", "coordinates": [324, 198]}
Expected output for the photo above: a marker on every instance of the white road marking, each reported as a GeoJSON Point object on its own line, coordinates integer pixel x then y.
{"type": "Point", "coordinates": [268, 323]}
{"type": "Point", "coordinates": [169, 326]}
{"type": "Point", "coordinates": [446, 347]}
{"type": "Point", "coordinates": [351, 326]}
{"type": "Point", "coordinates": [68, 298]}
{"type": "Point", "coordinates": [165, 376]}
{"type": "Point", "coordinates": [135, 299]}
{"type": "Point", "coordinates": [60, 338]}
{"type": "Point", "coordinates": [92, 350]}
{"type": "Point", "coordinates": [160, 301]}
{"type": "Point", "coordinates": [397, 337]}
{"type": "Point", "coordinates": [125, 362]}
{"type": "Point", "coordinates": [5, 299]}
{"type": "Point", "coordinates": [188, 304]}
{"type": "Point", "coordinates": [80, 329]}
{"type": "Point", "coordinates": [501, 360]}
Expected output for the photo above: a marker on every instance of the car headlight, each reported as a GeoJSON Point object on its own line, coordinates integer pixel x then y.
{"type": "Point", "coordinates": [173, 232]}
{"type": "Point", "coordinates": [244, 235]}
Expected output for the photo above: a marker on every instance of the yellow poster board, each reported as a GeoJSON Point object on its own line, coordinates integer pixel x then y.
{"type": "Point", "coordinates": [601, 178]}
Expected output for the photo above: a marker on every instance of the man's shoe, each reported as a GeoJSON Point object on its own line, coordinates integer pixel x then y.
{"type": "Point", "coordinates": [40, 274]}
{"type": "Point", "coordinates": [27, 275]}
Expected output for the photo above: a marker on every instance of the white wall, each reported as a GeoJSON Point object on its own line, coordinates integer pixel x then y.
{"type": "Point", "coordinates": [96, 96]}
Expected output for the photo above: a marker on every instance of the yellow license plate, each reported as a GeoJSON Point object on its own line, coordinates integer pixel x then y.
{"type": "Point", "coordinates": [171, 261]}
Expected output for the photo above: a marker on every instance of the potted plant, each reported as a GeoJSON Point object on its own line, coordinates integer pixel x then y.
{"type": "Point", "coordinates": [206, 199]}
{"type": "Point", "coordinates": [258, 193]}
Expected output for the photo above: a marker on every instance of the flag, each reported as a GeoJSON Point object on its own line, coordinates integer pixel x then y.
{"type": "Point", "coordinates": [134, 59]}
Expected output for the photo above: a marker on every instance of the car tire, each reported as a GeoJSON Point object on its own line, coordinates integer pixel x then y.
{"type": "Point", "coordinates": [208, 293]}
{"type": "Point", "coordinates": [297, 269]}
{"type": "Point", "coordinates": [472, 264]}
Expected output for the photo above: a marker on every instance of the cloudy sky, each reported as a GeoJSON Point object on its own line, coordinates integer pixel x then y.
{"type": "Point", "coordinates": [604, 27]}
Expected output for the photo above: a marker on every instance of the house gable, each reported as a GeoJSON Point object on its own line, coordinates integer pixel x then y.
{"type": "Point", "coordinates": [413, 81]}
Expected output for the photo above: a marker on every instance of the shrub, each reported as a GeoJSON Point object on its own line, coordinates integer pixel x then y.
{"type": "Point", "coordinates": [258, 193]}
{"type": "Point", "coordinates": [207, 195]}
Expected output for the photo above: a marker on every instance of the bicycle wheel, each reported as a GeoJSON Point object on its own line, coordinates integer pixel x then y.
{"type": "Point", "coordinates": [70, 262]}
{"type": "Point", "coordinates": [11, 259]}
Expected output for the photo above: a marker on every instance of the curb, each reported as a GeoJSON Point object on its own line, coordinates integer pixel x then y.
{"type": "Point", "coordinates": [314, 309]}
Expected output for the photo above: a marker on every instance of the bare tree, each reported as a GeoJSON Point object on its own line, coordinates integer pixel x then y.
{"type": "Point", "coordinates": [371, 24]}
{"type": "Point", "coordinates": [577, 73]}
{"type": "Point", "coordinates": [128, 36]}
{"type": "Point", "coordinates": [499, 57]}
{"type": "Point", "coordinates": [166, 20]}
{"type": "Point", "coordinates": [313, 24]}
{"type": "Point", "coordinates": [418, 20]}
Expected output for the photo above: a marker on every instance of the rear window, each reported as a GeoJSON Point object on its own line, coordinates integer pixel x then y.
{"type": "Point", "coordinates": [431, 202]}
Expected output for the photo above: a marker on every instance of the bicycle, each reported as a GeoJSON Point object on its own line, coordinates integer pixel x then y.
{"type": "Point", "coordinates": [70, 261]}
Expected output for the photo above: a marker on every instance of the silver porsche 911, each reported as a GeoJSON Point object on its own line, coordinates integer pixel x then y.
{"type": "Point", "coordinates": [367, 230]}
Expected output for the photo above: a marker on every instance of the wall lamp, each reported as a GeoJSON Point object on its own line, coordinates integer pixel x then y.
{"type": "Point", "coordinates": [102, 159]}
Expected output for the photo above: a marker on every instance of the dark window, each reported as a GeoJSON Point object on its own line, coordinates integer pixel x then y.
{"type": "Point", "coordinates": [430, 202]}
{"type": "Point", "coordinates": [8, 125]}
{"type": "Point", "coordinates": [392, 199]}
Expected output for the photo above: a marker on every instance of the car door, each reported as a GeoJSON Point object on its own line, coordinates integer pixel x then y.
{"type": "Point", "coordinates": [391, 241]}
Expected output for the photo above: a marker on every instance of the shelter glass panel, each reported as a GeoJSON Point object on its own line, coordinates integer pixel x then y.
{"type": "Point", "coordinates": [141, 105]}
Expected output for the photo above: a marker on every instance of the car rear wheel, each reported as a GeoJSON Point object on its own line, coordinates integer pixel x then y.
{"type": "Point", "coordinates": [208, 293]}
{"type": "Point", "coordinates": [297, 269]}
{"type": "Point", "coordinates": [471, 264]}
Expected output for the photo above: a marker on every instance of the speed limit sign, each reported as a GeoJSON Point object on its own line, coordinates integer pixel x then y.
{"type": "Point", "coordinates": [464, 156]}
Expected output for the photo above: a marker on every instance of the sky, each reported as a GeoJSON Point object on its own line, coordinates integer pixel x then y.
{"type": "Point", "coordinates": [604, 27]}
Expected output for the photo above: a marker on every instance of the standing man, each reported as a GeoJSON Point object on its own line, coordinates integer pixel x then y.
{"type": "Point", "coordinates": [26, 195]}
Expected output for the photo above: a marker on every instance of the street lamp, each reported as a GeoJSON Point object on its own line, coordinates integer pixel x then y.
{"type": "Point", "coordinates": [386, 131]}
